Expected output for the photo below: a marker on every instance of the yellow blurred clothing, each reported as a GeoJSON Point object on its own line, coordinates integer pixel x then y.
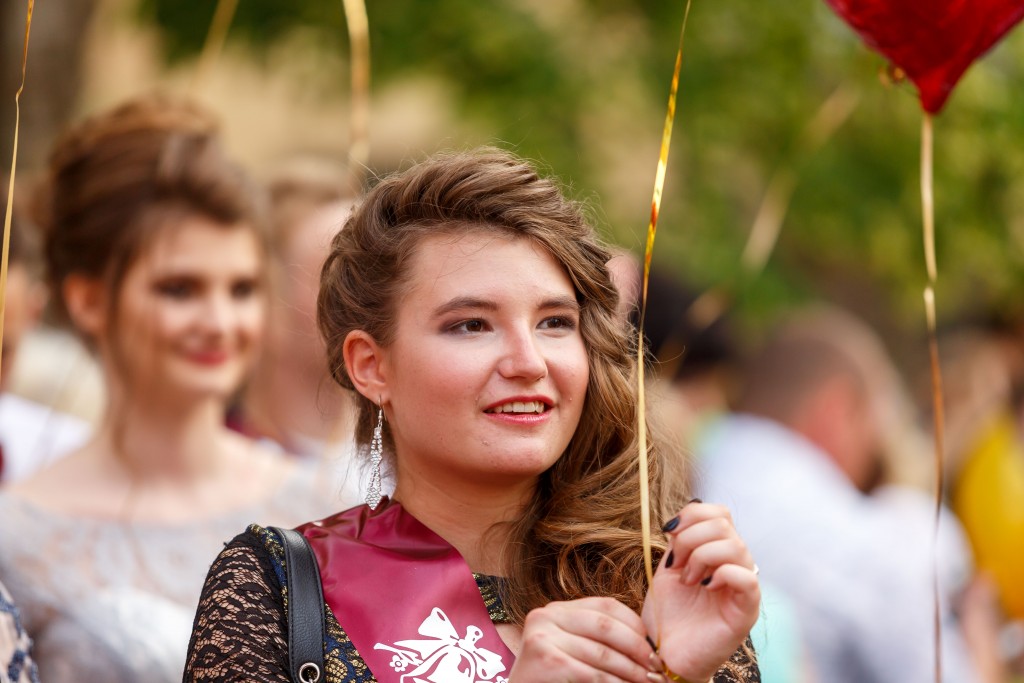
{"type": "Point", "coordinates": [988, 496]}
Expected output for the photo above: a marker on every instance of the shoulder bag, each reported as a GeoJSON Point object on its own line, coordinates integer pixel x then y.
{"type": "Point", "coordinates": [306, 618]}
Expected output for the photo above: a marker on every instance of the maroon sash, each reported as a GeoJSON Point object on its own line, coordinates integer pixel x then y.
{"type": "Point", "coordinates": [406, 598]}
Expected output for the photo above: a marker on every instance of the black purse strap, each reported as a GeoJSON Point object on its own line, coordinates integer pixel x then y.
{"type": "Point", "coordinates": [305, 608]}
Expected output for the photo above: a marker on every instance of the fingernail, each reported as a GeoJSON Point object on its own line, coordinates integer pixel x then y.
{"type": "Point", "coordinates": [694, 500]}
{"type": "Point", "coordinates": [656, 664]}
{"type": "Point", "coordinates": [705, 581]}
{"type": "Point", "coordinates": [656, 678]}
{"type": "Point", "coordinates": [670, 559]}
{"type": "Point", "coordinates": [651, 643]}
{"type": "Point", "coordinates": [670, 525]}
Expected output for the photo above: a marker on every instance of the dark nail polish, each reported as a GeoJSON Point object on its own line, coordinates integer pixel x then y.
{"type": "Point", "coordinates": [705, 581]}
{"type": "Point", "coordinates": [670, 525]}
{"type": "Point", "coordinates": [694, 500]}
{"type": "Point", "coordinates": [651, 643]}
{"type": "Point", "coordinates": [670, 559]}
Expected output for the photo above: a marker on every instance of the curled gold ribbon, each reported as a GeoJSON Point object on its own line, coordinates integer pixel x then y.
{"type": "Point", "coordinates": [359, 125]}
{"type": "Point", "coordinates": [10, 188]}
{"type": "Point", "coordinates": [652, 228]}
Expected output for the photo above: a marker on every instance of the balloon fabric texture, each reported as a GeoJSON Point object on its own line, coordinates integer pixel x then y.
{"type": "Point", "coordinates": [932, 41]}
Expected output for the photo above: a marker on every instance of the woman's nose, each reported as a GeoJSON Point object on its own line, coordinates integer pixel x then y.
{"type": "Point", "coordinates": [217, 313]}
{"type": "Point", "coordinates": [522, 358]}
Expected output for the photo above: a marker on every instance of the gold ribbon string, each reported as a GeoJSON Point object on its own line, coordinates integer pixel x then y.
{"type": "Point", "coordinates": [216, 36]}
{"type": "Point", "coordinates": [359, 47]}
{"type": "Point", "coordinates": [10, 188]}
{"type": "Point", "coordinates": [652, 228]}
{"type": "Point", "coordinates": [938, 401]}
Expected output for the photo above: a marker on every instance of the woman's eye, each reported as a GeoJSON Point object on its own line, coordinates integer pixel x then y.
{"type": "Point", "coordinates": [558, 322]}
{"type": "Point", "coordinates": [175, 290]}
{"type": "Point", "coordinates": [244, 290]}
{"type": "Point", "coordinates": [470, 326]}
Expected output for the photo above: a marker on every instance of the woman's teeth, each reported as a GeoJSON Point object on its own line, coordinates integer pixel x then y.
{"type": "Point", "coordinates": [519, 407]}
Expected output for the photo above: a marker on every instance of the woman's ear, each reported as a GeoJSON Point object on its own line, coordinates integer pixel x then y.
{"type": "Point", "coordinates": [365, 361]}
{"type": "Point", "coordinates": [86, 302]}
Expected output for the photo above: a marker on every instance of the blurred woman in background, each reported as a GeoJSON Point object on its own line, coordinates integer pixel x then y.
{"type": "Point", "coordinates": [290, 400]}
{"type": "Point", "coordinates": [156, 257]}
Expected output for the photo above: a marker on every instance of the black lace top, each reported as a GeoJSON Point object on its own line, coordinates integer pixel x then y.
{"type": "Point", "coordinates": [240, 630]}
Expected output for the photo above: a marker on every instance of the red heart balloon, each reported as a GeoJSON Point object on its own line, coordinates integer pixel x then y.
{"type": "Point", "coordinates": [932, 41]}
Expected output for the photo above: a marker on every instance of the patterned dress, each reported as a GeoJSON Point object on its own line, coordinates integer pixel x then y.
{"type": "Point", "coordinates": [16, 665]}
{"type": "Point", "coordinates": [241, 626]}
{"type": "Point", "coordinates": [112, 601]}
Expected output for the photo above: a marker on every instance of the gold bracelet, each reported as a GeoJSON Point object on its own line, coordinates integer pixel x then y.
{"type": "Point", "coordinates": [670, 675]}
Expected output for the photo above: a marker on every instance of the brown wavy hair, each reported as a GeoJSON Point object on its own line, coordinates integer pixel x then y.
{"type": "Point", "coordinates": [580, 534]}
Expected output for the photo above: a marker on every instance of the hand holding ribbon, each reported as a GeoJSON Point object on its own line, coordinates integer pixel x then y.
{"type": "Point", "coordinates": [705, 596]}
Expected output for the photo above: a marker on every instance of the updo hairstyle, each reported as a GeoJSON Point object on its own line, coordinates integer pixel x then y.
{"type": "Point", "coordinates": [119, 178]}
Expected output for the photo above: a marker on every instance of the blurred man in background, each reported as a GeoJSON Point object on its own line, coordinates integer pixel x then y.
{"type": "Point", "coordinates": [801, 466]}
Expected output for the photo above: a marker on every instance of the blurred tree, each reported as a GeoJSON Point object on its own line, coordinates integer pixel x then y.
{"type": "Point", "coordinates": [581, 86]}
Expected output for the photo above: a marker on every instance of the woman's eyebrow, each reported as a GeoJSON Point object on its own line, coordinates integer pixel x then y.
{"type": "Point", "coordinates": [461, 303]}
{"type": "Point", "coordinates": [561, 302]}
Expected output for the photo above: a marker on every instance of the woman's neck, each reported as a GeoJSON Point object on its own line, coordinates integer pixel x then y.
{"type": "Point", "coordinates": [474, 520]}
{"type": "Point", "coordinates": [154, 439]}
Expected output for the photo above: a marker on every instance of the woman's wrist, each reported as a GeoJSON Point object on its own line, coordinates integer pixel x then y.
{"type": "Point", "coordinates": [660, 667]}
{"type": "Point", "coordinates": [679, 679]}
{"type": "Point", "coordinates": [658, 663]}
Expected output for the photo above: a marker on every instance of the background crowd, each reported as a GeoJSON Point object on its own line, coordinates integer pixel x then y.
{"type": "Point", "coordinates": [799, 397]}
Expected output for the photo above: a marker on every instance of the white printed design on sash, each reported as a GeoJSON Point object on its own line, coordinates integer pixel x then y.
{"type": "Point", "coordinates": [444, 657]}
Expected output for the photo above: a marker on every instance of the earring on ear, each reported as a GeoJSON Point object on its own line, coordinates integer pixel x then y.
{"type": "Point", "coordinates": [373, 491]}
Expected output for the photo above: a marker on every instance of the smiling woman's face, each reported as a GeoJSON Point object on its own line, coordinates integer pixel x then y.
{"type": "Point", "coordinates": [487, 373]}
{"type": "Point", "coordinates": [190, 311]}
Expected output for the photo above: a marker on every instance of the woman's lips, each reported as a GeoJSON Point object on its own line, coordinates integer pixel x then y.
{"type": "Point", "coordinates": [521, 410]}
{"type": "Point", "coordinates": [208, 357]}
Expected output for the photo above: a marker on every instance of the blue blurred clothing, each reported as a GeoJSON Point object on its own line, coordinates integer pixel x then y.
{"type": "Point", "coordinates": [777, 639]}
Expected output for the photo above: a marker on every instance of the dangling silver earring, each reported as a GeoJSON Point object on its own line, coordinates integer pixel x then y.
{"type": "Point", "coordinates": [373, 491]}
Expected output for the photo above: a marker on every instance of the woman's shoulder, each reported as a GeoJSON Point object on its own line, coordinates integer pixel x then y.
{"type": "Point", "coordinates": [31, 533]}
{"type": "Point", "coordinates": [261, 541]}
{"type": "Point", "coordinates": [256, 549]}
{"type": "Point", "coordinates": [57, 488]}
{"type": "Point", "coordinates": [250, 567]}
{"type": "Point", "coordinates": [245, 579]}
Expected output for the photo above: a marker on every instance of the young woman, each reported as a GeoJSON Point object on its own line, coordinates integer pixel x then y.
{"type": "Point", "coordinates": [468, 305]}
{"type": "Point", "coordinates": [155, 257]}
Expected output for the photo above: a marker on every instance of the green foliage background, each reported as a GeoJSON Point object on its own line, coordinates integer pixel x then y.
{"type": "Point", "coordinates": [581, 85]}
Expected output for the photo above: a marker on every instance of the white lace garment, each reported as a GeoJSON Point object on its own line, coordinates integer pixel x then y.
{"type": "Point", "coordinates": [114, 601]}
